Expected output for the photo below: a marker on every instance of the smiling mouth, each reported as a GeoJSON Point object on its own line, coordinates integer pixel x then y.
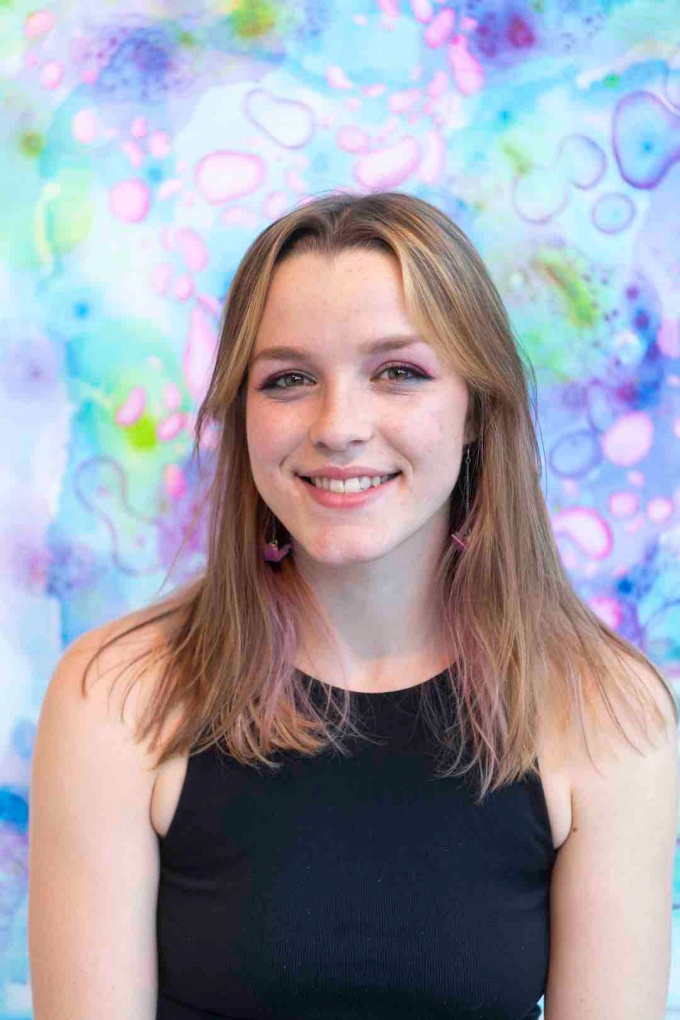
{"type": "Point", "coordinates": [310, 482]}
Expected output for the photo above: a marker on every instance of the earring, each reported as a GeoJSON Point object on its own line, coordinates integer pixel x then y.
{"type": "Point", "coordinates": [459, 541]}
{"type": "Point", "coordinates": [271, 551]}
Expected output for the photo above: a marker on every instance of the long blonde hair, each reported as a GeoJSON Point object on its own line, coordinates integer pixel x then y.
{"type": "Point", "coordinates": [526, 643]}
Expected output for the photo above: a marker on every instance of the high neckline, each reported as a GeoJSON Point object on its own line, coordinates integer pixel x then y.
{"type": "Point", "coordinates": [413, 688]}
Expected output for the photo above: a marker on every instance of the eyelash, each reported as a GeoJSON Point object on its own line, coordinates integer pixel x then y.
{"type": "Point", "coordinates": [270, 383]}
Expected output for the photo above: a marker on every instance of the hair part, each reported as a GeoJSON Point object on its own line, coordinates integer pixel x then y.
{"type": "Point", "coordinates": [527, 647]}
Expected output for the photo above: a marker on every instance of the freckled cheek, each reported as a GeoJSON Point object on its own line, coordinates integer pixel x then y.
{"type": "Point", "coordinates": [270, 443]}
{"type": "Point", "coordinates": [424, 435]}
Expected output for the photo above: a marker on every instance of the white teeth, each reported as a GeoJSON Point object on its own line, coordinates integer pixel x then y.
{"type": "Point", "coordinates": [351, 485]}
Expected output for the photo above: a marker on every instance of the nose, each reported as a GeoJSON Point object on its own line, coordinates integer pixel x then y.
{"type": "Point", "coordinates": [342, 415]}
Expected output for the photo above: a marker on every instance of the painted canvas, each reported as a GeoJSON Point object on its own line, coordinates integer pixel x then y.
{"type": "Point", "coordinates": [144, 145]}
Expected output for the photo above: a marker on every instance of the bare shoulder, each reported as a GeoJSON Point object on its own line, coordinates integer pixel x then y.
{"type": "Point", "coordinates": [609, 750]}
{"type": "Point", "coordinates": [94, 862]}
{"type": "Point", "coordinates": [611, 886]}
{"type": "Point", "coordinates": [581, 760]}
{"type": "Point", "coordinates": [115, 667]}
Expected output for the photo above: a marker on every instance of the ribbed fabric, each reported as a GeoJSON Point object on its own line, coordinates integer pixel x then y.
{"type": "Point", "coordinates": [353, 888]}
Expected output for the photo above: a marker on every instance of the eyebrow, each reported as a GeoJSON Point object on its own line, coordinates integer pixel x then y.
{"type": "Point", "coordinates": [385, 343]}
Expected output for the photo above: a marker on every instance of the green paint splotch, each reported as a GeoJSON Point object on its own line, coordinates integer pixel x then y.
{"type": "Point", "coordinates": [102, 374]}
{"type": "Point", "coordinates": [578, 301]}
{"type": "Point", "coordinates": [252, 19]}
{"type": "Point", "coordinates": [31, 143]}
{"type": "Point", "coordinates": [64, 213]}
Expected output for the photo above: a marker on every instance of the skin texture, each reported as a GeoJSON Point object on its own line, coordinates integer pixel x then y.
{"type": "Point", "coordinates": [371, 567]}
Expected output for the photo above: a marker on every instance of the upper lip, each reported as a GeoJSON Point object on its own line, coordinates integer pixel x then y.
{"type": "Point", "coordinates": [357, 471]}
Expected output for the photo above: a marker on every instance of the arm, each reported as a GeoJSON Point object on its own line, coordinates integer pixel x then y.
{"type": "Point", "coordinates": [611, 891]}
{"type": "Point", "coordinates": [93, 857]}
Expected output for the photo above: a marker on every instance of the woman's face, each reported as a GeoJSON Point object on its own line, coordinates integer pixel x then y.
{"type": "Point", "coordinates": [336, 404]}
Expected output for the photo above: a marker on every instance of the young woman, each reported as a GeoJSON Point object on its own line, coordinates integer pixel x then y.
{"type": "Point", "coordinates": [380, 760]}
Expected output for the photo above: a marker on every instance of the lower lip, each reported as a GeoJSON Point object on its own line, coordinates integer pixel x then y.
{"type": "Point", "coordinates": [346, 500]}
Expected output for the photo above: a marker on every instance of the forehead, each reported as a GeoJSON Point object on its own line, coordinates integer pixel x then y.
{"type": "Point", "coordinates": [319, 306]}
{"type": "Point", "coordinates": [352, 285]}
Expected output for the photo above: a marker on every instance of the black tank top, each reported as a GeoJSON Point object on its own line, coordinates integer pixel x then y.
{"type": "Point", "coordinates": [357, 886]}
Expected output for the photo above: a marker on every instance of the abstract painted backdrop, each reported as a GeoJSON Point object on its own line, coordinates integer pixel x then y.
{"type": "Point", "coordinates": [144, 145]}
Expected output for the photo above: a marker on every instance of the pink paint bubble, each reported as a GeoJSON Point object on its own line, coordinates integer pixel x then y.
{"type": "Point", "coordinates": [389, 7]}
{"type": "Point", "coordinates": [84, 126]}
{"type": "Point", "coordinates": [391, 125]}
{"type": "Point", "coordinates": [274, 205]}
{"type": "Point", "coordinates": [133, 408]}
{"type": "Point", "coordinates": [422, 10]}
{"type": "Point", "coordinates": [659, 509]}
{"type": "Point", "coordinates": [133, 152]}
{"type": "Point", "coordinates": [624, 504]}
{"type": "Point", "coordinates": [39, 23]}
{"type": "Point", "coordinates": [223, 176]}
{"type": "Point", "coordinates": [172, 396]}
{"type": "Point", "coordinates": [161, 275]}
{"type": "Point", "coordinates": [210, 303]}
{"type": "Point", "coordinates": [138, 127]}
{"type": "Point", "coordinates": [433, 159]}
{"type": "Point", "coordinates": [570, 487]}
{"type": "Point", "coordinates": [400, 102]}
{"type": "Point", "coordinates": [668, 338]}
{"type": "Point", "coordinates": [676, 428]}
{"type": "Point", "coordinates": [193, 249]}
{"type": "Point", "coordinates": [199, 355]}
{"type": "Point", "coordinates": [31, 59]}
{"type": "Point", "coordinates": [352, 139]}
{"type": "Point", "coordinates": [636, 478]}
{"type": "Point", "coordinates": [360, 19]}
{"type": "Point", "coordinates": [129, 200]}
{"type": "Point", "coordinates": [388, 167]}
{"type": "Point", "coordinates": [629, 439]}
{"type": "Point", "coordinates": [467, 24]}
{"type": "Point", "coordinates": [170, 427]}
{"type": "Point", "coordinates": [337, 79]}
{"type": "Point", "coordinates": [169, 188]}
{"type": "Point", "coordinates": [238, 216]}
{"type": "Point", "coordinates": [440, 28]}
{"type": "Point", "coordinates": [159, 144]}
{"type": "Point", "coordinates": [439, 84]}
{"type": "Point", "coordinates": [587, 530]}
{"type": "Point", "coordinates": [468, 73]}
{"type": "Point", "coordinates": [174, 481]}
{"type": "Point", "coordinates": [634, 526]}
{"type": "Point", "coordinates": [209, 440]}
{"type": "Point", "coordinates": [608, 610]}
{"type": "Point", "coordinates": [52, 74]}
{"type": "Point", "coordinates": [295, 181]}
{"type": "Point", "coordinates": [184, 287]}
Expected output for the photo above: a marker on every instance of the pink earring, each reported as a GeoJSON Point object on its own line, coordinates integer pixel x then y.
{"type": "Point", "coordinates": [271, 551]}
{"type": "Point", "coordinates": [457, 535]}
